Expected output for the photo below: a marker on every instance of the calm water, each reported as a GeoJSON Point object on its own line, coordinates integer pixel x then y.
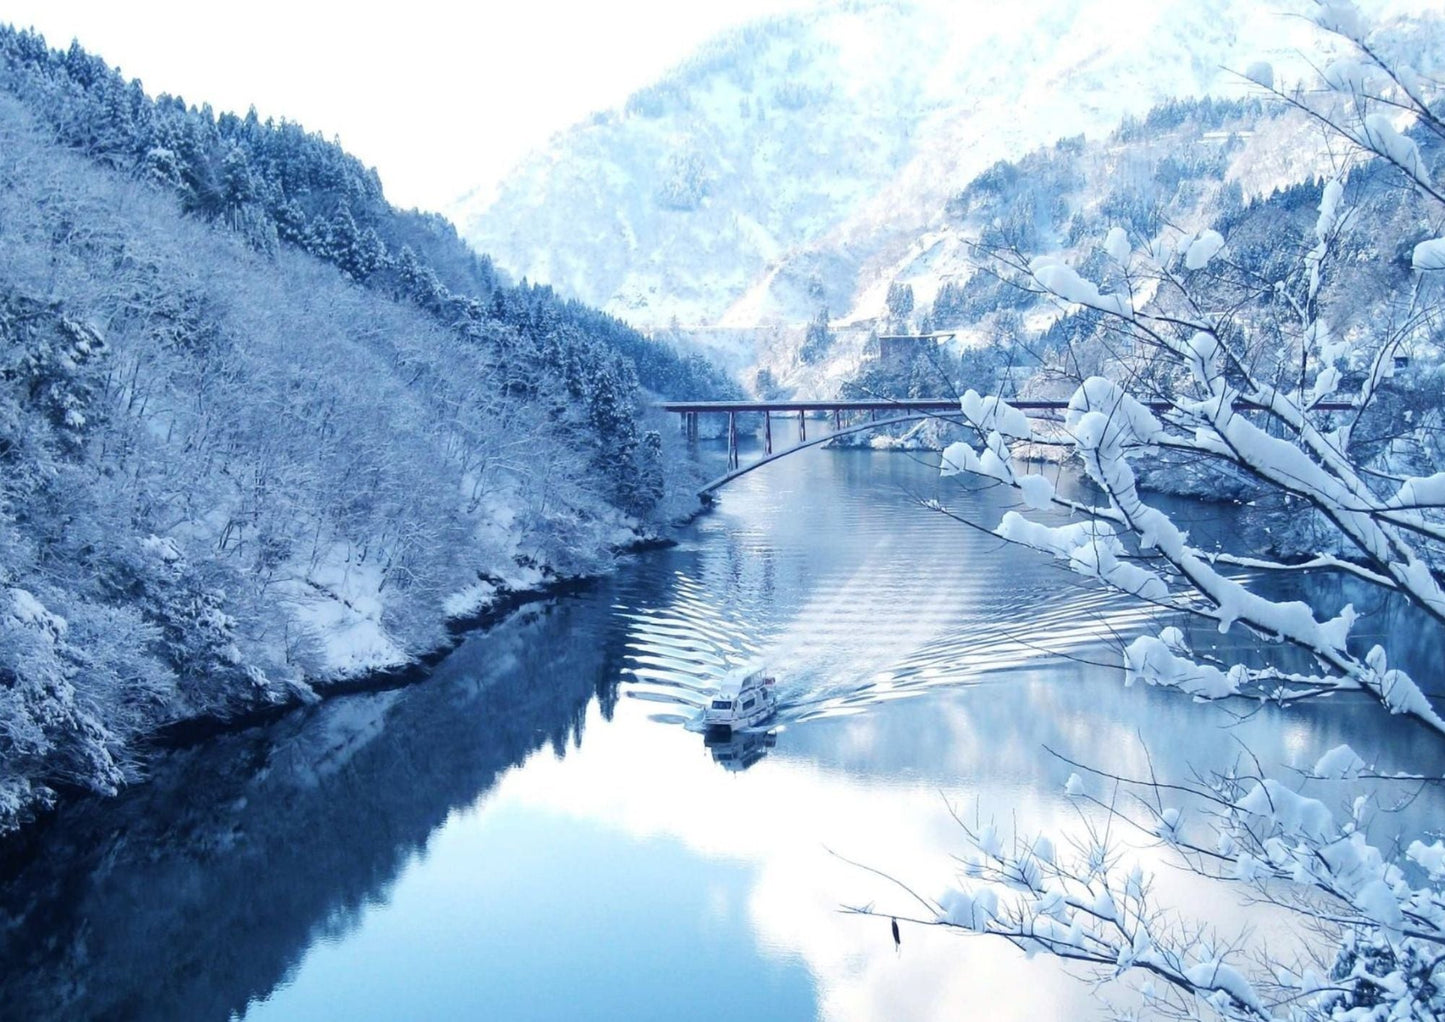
{"type": "Point", "coordinates": [536, 833]}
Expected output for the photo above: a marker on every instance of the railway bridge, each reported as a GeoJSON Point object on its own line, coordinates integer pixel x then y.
{"type": "Point", "coordinates": [848, 417]}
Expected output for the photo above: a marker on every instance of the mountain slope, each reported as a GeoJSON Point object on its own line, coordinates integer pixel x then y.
{"type": "Point", "coordinates": [786, 164]}
{"type": "Point", "coordinates": [259, 430]}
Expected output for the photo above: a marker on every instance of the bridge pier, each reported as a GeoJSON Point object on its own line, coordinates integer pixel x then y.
{"type": "Point", "coordinates": [837, 419]}
{"type": "Point", "coordinates": [732, 440]}
{"type": "Point", "coordinates": [768, 431]}
{"type": "Point", "coordinates": [802, 426]}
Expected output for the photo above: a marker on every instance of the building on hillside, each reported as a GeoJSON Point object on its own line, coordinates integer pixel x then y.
{"type": "Point", "coordinates": [901, 349]}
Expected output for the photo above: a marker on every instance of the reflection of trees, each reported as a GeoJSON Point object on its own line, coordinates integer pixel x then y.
{"type": "Point", "coordinates": [197, 892]}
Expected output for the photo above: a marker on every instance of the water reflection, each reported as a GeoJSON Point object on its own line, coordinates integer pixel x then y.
{"type": "Point", "coordinates": [534, 833]}
{"type": "Point", "coordinates": [738, 750]}
{"type": "Point", "coordinates": [199, 891]}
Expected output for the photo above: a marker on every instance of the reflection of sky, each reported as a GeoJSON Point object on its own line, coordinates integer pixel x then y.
{"type": "Point", "coordinates": [633, 877]}
{"type": "Point", "coordinates": [516, 913]}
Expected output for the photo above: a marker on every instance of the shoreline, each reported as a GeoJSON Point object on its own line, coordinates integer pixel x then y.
{"type": "Point", "coordinates": [20, 844]}
{"type": "Point", "coordinates": [194, 730]}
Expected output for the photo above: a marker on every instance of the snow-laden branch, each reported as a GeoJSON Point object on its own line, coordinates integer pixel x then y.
{"type": "Point", "coordinates": [1206, 376]}
{"type": "Point", "coordinates": [1081, 902]}
{"type": "Point", "coordinates": [1106, 422]}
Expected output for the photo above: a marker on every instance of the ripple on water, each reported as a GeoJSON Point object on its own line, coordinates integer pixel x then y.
{"type": "Point", "coordinates": [864, 638]}
{"type": "Point", "coordinates": [862, 597]}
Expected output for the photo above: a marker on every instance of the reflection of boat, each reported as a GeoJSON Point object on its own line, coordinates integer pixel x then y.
{"type": "Point", "coordinates": [739, 750]}
{"type": "Point", "coordinates": [744, 698]}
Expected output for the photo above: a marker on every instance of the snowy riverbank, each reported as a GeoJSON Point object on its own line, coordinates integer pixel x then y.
{"type": "Point", "coordinates": [473, 610]}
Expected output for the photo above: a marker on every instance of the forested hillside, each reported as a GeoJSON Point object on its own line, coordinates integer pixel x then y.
{"type": "Point", "coordinates": [1233, 195]}
{"type": "Point", "coordinates": [791, 163]}
{"type": "Point", "coordinates": [258, 429]}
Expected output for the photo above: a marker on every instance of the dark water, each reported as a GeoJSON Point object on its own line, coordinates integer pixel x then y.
{"type": "Point", "coordinates": [536, 833]}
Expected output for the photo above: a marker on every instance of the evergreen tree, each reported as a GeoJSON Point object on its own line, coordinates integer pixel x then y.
{"type": "Point", "coordinates": [900, 303]}
{"type": "Point", "coordinates": [817, 339]}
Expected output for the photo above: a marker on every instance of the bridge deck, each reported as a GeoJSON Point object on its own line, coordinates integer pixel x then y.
{"type": "Point", "coordinates": [901, 410]}
{"type": "Point", "coordinates": [874, 405]}
{"type": "Point", "coordinates": [904, 404]}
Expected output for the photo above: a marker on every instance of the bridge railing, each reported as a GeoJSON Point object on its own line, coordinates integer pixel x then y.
{"type": "Point", "coordinates": [897, 410]}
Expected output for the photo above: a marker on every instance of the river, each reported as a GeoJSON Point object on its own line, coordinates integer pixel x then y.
{"type": "Point", "coordinates": [535, 832]}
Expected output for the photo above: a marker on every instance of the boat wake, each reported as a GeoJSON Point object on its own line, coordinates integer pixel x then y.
{"type": "Point", "coordinates": [859, 642]}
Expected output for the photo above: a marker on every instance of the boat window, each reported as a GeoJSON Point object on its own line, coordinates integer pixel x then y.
{"type": "Point", "coordinates": [722, 704]}
{"type": "Point", "coordinates": [748, 705]}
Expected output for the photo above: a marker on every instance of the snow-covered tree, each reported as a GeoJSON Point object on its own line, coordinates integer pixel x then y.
{"type": "Point", "coordinates": [1281, 376]}
{"type": "Point", "coordinates": [817, 338]}
{"type": "Point", "coordinates": [900, 303]}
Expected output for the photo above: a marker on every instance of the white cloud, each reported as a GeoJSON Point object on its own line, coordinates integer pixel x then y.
{"type": "Point", "coordinates": [440, 97]}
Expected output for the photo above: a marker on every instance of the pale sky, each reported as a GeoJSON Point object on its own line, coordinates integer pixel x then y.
{"type": "Point", "coordinates": [439, 97]}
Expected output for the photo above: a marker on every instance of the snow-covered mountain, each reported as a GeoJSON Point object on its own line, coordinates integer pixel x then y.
{"type": "Point", "coordinates": [794, 163]}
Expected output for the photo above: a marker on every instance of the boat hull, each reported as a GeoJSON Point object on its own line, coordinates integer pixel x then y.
{"type": "Point", "coordinates": [719, 723]}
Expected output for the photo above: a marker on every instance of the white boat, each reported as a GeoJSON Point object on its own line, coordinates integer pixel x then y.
{"type": "Point", "coordinates": [744, 699]}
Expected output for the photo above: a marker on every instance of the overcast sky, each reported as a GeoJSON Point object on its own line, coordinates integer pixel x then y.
{"type": "Point", "coordinates": [440, 96]}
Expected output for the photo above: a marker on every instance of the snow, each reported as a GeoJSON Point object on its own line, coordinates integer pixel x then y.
{"type": "Point", "coordinates": [1116, 244]}
{"type": "Point", "coordinates": [1429, 255]}
{"type": "Point", "coordinates": [1326, 383]}
{"type": "Point", "coordinates": [1382, 136]}
{"type": "Point", "coordinates": [1037, 490]}
{"type": "Point", "coordinates": [1127, 418]}
{"type": "Point", "coordinates": [26, 610]}
{"type": "Point", "coordinates": [1173, 639]}
{"type": "Point", "coordinates": [995, 461]}
{"type": "Point", "coordinates": [1074, 786]}
{"type": "Point", "coordinates": [959, 457]}
{"type": "Point", "coordinates": [1421, 491]}
{"type": "Point", "coordinates": [1430, 858]}
{"type": "Point", "coordinates": [1154, 662]}
{"type": "Point", "coordinates": [1378, 902]}
{"type": "Point", "coordinates": [1339, 763]}
{"type": "Point", "coordinates": [1329, 208]}
{"type": "Point", "coordinates": [1062, 280]}
{"type": "Point", "coordinates": [844, 186]}
{"type": "Point", "coordinates": [340, 604]}
{"type": "Point", "coordinates": [469, 601]}
{"type": "Point", "coordinates": [994, 414]}
{"type": "Point", "coordinates": [1348, 75]}
{"type": "Point", "coordinates": [1261, 72]}
{"type": "Point", "coordinates": [970, 910]}
{"type": "Point", "coordinates": [1060, 540]}
{"type": "Point", "coordinates": [1397, 689]}
{"type": "Point", "coordinates": [1402, 695]}
{"type": "Point", "coordinates": [161, 548]}
{"type": "Point", "coordinates": [1217, 975]}
{"type": "Point", "coordinates": [1246, 867]}
{"type": "Point", "coordinates": [1292, 814]}
{"type": "Point", "coordinates": [1202, 249]}
{"type": "Point", "coordinates": [1103, 562]}
{"type": "Point", "coordinates": [1203, 347]}
{"type": "Point", "coordinates": [1103, 905]}
{"type": "Point", "coordinates": [1340, 16]}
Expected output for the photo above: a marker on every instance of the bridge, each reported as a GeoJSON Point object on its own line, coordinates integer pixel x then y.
{"type": "Point", "coordinates": [845, 414]}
